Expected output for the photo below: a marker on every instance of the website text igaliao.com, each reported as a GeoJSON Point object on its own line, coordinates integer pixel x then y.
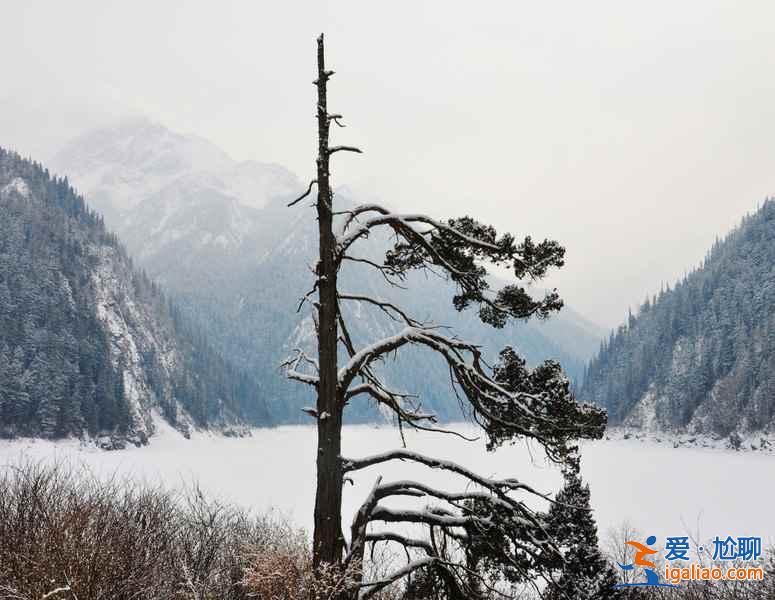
{"type": "Point", "coordinates": [676, 575]}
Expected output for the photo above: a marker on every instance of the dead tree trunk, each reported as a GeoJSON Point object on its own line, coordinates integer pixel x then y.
{"type": "Point", "coordinates": [327, 539]}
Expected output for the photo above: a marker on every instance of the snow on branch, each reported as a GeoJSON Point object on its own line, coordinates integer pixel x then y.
{"type": "Point", "coordinates": [484, 393]}
{"type": "Point", "coordinates": [396, 219]}
{"type": "Point", "coordinates": [396, 402]}
{"type": "Point", "coordinates": [360, 538]}
{"type": "Point", "coordinates": [391, 400]}
{"type": "Point", "coordinates": [417, 489]}
{"type": "Point", "coordinates": [401, 224]}
{"type": "Point", "coordinates": [408, 335]}
{"type": "Point", "coordinates": [493, 501]}
{"type": "Point", "coordinates": [484, 525]}
{"type": "Point", "coordinates": [293, 364]}
{"type": "Point", "coordinates": [460, 247]}
{"type": "Point", "coordinates": [498, 486]}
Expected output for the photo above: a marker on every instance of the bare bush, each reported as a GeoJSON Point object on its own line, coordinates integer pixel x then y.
{"type": "Point", "coordinates": [289, 575]}
{"type": "Point", "coordinates": [284, 571]}
{"type": "Point", "coordinates": [66, 535]}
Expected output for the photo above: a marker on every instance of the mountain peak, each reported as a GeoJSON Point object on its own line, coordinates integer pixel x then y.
{"type": "Point", "coordinates": [116, 166]}
{"type": "Point", "coordinates": [119, 166]}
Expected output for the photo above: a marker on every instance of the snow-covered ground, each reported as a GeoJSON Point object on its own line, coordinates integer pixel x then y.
{"type": "Point", "coordinates": [747, 442]}
{"type": "Point", "coordinates": [658, 489]}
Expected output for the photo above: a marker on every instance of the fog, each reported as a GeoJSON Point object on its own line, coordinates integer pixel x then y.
{"type": "Point", "coordinates": [634, 134]}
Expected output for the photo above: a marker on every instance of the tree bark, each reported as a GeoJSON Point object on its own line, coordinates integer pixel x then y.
{"type": "Point", "coordinates": [327, 538]}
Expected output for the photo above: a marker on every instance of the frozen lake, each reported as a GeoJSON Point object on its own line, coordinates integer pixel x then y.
{"type": "Point", "coordinates": [657, 489]}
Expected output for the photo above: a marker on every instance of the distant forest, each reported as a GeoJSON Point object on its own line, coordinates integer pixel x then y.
{"type": "Point", "coordinates": [56, 373]}
{"type": "Point", "coordinates": [704, 350]}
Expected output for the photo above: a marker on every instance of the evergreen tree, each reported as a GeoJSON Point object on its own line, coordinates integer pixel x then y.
{"type": "Point", "coordinates": [584, 573]}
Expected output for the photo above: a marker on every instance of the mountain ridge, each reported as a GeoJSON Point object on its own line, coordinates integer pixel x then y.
{"type": "Point", "coordinates": [88, 344]}
{"type": "Point", "coordinates": [239, 264]}
{"type": "Point", "coordinates": [699, 357]}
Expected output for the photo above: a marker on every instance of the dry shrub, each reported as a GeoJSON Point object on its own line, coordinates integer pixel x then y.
{"type": "Point", "coordinates": [283, 571]}
{"type": "Point", "coordinates": [68, 535]}
{"type": "Point", "coordinates": [287, 574]}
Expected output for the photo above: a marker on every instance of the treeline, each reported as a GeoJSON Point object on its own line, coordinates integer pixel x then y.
{"type": "Point", "coordinates": [58, 375]}
{"type": "Point", "coordinates": [705, 349]}
{"type": "Point", "coordinates": [208, 384]}
{"type": "Point", "coordinates": [55, 373]}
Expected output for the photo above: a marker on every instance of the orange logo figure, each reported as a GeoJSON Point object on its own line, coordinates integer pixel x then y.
{"type": "Point", "coordinates": [642, 552]}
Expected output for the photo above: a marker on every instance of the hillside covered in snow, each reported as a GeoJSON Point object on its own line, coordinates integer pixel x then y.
{"type": "Point", "coordinates": [700, 357]}
{"type": "Point", "coordinates": [89, 346]}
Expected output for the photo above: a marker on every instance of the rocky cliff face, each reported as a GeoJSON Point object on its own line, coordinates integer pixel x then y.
{"type": "Point", "coordinates": [133, 332]}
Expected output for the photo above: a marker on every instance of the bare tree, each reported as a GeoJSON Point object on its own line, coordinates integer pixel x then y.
{"type": "Point", "coordinates": [487, 531]}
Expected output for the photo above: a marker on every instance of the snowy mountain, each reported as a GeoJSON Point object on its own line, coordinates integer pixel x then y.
{"type": "Point", "coordinates": [88, 345]}
{"type": "Point", "coordinates": [700, 357]}
{"type": "Point", "coordinates": [218, 234]}
{"type": "Point", "coordinates": [172, 197]}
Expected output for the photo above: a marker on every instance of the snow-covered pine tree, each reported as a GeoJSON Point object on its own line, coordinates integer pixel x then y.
{"type": "Point", "coordinates": [584, 573]}
{"type": "Point", "coordinates": [486, 536]}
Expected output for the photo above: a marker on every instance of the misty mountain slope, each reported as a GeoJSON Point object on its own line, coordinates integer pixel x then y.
{"type": "Point", "coordinates": [174, 198]}
{"type": "Point", "coordinates": [700, 357]}
{"type": "Point", "coordinates": [88, 345]}
{"type": "Point", "coordinates": [221, 237]}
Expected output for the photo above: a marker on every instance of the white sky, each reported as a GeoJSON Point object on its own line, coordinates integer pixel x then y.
{"type": "Point", "coordinates": [634, 133]}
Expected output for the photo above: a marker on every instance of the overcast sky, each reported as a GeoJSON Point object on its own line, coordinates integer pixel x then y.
{"type": "Point", "coordinates": [634, 133]}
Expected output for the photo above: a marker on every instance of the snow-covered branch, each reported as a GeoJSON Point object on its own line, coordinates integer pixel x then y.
{"type": "Point", "coordinates": [417, 489]}
{"type": "Point", "coordinates": [402, 225]}
{"type": "Point", "coordinates": [392, 400]}
{"type": "Point", "coordinates": [397, 220]}
{"type": "Point", "coordinates": [425, 517]}
{"type": "Point", "coordinates": [460, 248]}
{"type": "Point", "coordinates": [408, 335]}
{"type": "Point", "coordinates": [374, 387]}
{"type": "Point", "coordinates": [406, 542]}
{"type": "Point", "coordinates": [495, 485]}
{"type": "Point", "coordinates": [293, 364]}
{"type": "Point", "coordinates": [483, 392]}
